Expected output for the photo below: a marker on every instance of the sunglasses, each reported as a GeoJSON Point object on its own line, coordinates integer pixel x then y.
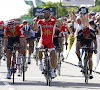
{"type": "Point", "coordinates": [11, 26]}
{"type": "Point", "coordinates": [46, 11]}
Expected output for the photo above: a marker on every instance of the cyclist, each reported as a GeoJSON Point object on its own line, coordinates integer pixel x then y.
{"type": "Point", "coordinates": [29, 38]}
{"type": "Point", "coordinates": [64, 36]}
{"type": "Point", "coordinates": [2, 31]}
{"type": "Point", "coordinates": [57, 38]}
{"type": "Point", "coordinates": [47, 27]}
{"type": "Point", "coordinates": [86, 36]}
{"type": "Point", "coordinates": [12, 33]}
{"type": "Point", "coordinates": [24, 23]}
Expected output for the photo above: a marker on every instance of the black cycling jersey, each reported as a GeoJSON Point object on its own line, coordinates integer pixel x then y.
{"type": "Point", "coordinates": [56, 36]}
{"type": "Point", "coordinates": [81, 36]}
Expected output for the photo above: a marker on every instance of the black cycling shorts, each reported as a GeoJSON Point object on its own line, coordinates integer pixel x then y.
{"type": "Point", "coordinates": [88, 43]}
{"type": "Point", "coordinates": [12, 40]}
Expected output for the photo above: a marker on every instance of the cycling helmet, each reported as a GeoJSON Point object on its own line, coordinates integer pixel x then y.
{"type": "Point", "coordinates": [24, 22]}
{"type": "Point", "coordinates": [26, 28]}
{"type": "Point", "coordinates": [86, 31]}
{"type": "Point", "coordinates": [45, 8]}
{"type": "Point", "coordinates": [11, 24]}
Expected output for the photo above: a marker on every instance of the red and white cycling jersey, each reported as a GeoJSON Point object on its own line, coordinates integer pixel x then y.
{"type": "Point", "coordinates": [18, 31]}
{"type": "Point", "coordinates": [47, 31]}
{"type": "Point", "coordinates": [63, 30]}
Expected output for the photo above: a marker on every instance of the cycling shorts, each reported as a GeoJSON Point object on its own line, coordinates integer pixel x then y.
{"type": "Point", "coordinates": [46, 43]}
{"type": "Point", "coordinates": [88, 43]}
{"type": "Point", "coordinates": [12, 40]}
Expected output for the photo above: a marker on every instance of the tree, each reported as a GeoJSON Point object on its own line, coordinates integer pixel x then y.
{"type": "Point", "coordinates": [60, 10]}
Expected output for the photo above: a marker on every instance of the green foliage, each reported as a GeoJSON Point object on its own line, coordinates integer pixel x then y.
{"type": "Point", "coordinates": [96, 8]}
{"type": "Point", "coordinates": [60, 10]}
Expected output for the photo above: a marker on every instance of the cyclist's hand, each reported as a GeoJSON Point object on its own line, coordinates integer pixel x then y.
{"type": "Point", "coordinates": [51, 16]}
{"type": "Point", "coordinates": [36, 19]}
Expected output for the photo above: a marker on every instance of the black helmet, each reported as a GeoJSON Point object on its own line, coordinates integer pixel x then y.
{"type": "Point", "coordinates": [45, 8]}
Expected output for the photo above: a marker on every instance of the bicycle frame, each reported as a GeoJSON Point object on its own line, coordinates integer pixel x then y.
{"type": "Point", "coordinates": [86, 66]}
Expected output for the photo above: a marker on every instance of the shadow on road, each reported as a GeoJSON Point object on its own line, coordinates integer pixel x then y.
{"type": "Point", "coordinates": [58, 84]}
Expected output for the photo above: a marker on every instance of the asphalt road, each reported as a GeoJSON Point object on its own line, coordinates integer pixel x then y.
{"type": "Point", "coordinates": [70, 79]}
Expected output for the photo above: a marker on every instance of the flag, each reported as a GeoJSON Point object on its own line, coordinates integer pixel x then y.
{"type": "Point", "coordinates": [35, 3]}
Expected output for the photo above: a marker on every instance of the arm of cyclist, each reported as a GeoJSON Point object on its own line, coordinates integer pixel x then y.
{"type": "Point", "coordinates": [58, 23]}
{"type": "Point", "coordinates": [95, 43]}
{"type": "Point", "coordinates": [35, 26]}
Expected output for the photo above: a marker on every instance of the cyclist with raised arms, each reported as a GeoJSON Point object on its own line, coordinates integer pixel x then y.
{"type": "Point", "coordinates": [47, 27]}
{"type": "Point", "coordinates": [86, 37]}
{"type": "Point", "coordinates": [12, 33]}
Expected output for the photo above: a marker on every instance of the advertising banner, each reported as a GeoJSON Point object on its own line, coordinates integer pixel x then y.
{"type": "Point", "coordinates": [38, 11]}
{"type": "Point", "coordinates": [78, 2]}
{"type": "Point", "coordinates": [29, 19]}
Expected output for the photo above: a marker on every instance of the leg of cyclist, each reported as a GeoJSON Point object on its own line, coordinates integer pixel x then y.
{"type": "Point", "coordinates": [62, 57]}
{"type": "Point", "coordinates": [20, 54]}
{"type": "Point", "coordinates": [8, 42]}
{"type": "Point", "coordinates": [90, 64]}
{"type": "Point", "coordinates": [53, 62]}
{"type": "Point", "coordinates": [9, 54]}
{"type": "Point", "coordinates": [30, 50]}
{"type": "Point", "coordinates": [78, 45]}
{"type": "Point", "coordinates": [40, 59]}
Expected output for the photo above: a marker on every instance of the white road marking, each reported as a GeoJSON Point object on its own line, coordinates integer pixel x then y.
{"type": "Point", "coordinates": [11, 89]}
{"type": "Point", "coordinates": [6, 83]}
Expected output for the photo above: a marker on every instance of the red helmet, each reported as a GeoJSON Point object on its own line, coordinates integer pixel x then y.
{"type": "Point", "coordinates": [11, 24]}
{"type": "Point", "coordinates": [86, 31]}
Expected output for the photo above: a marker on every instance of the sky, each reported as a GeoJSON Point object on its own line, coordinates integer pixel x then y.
{"type": "Point", "coordinates": [10, 9]}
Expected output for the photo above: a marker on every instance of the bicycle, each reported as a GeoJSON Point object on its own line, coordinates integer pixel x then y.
{"type": "Point", "coordinates": [58, 50]}
{"type": "Point", "coordinates": [46, 65]}
{"type": "Point", "coordinates": [13, 67]}
{"type": "Point", "coordinates": [85, 69]}
{"type": "Point", "coordinates": [24, 65]}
